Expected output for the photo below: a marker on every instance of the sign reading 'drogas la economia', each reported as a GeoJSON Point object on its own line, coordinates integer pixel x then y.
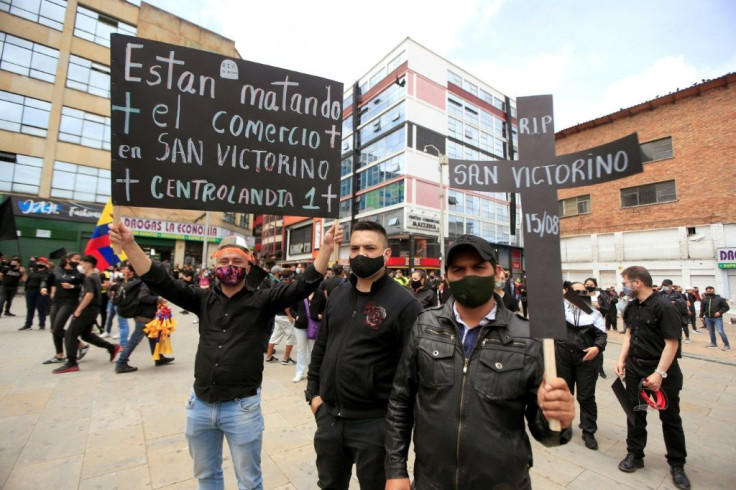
{"type": "Point", "coordinates": [198, 130]}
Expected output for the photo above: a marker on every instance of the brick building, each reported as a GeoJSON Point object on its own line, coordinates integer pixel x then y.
{"type": "Point", "coordinates": [674, 216]}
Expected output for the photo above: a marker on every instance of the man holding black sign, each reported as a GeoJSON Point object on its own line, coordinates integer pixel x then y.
{"type": "Point", "coordinates": [225, 400]}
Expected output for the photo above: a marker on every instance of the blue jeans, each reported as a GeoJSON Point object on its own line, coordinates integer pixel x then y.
{"type": "Point", "coordinates": [239, 420]}
{"type": "Point", "coordinates": [132, 343]}
{"type": "Point", "coordinates": [716, 323]}
{"type": "Point", "coordinates": [123, 328]}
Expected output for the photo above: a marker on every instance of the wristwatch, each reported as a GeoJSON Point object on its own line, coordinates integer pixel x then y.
{"type": "Point", "coordinates": [661, 373]}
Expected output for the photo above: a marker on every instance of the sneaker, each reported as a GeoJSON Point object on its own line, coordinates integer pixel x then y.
{"type": "Point", "coordinates": [25, 327]}
{"type": "Point", "coordinates": [271, 359]}
{"type": "Point", "coordinates": [297, 379]}
{"type": "Point", "coordinates": [687, 341]}
{"type": "Point", "coordinates": [288, 360]}
{"type": "Point", "coordinates": [162, 361]}
{"type": "Point", "coordinates": [184, 312]}
{"type": "Point", "coordinates": [589, 440]}
{"type": "Point", "coordinates": [55, 360]}
{"type": "Point", "coordinates": [697, 332]}
{"type": "Point", "coordinates": [114, 352]}
{"type": "Point", "coordinates": [726, 348]}
{"type": "Point", "coordinates": [66, 368]}
{"type": "Point", "coordinates": [630, 463]}
{"type": "Point", "coordinates": [7, 313]}
{"type": "Point", "coordinates": [711, 346]}
{"type": "Point", "coordinates": [679, 478]}
{"type": "Point", "coordinates": [105, 335]}
{"type": "Point", "coordinates": [125, 368]}
{"type": "Point", "coordinates": [116, 336]}
{"type": "Point", "coordinates": [42, 327]}
{"type": "Point", "coordinates": [82, 352]}
{"type": "Point", "coordinates": [195, 321]}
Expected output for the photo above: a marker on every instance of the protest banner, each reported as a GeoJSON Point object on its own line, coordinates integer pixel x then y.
{"type": "Point", "coordinates": [199, 130]}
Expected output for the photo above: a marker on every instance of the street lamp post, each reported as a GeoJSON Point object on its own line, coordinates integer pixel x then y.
{"type": "Point", "coordinates": [443, 162]}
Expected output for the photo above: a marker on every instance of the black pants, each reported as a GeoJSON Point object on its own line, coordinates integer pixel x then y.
{"type": "Point", "coordinates": [60, 313]}
{"type": "Point", "coordinates": [6, 298]}
{"type": "Point", "coordinates": [35, 301]}
{"type": "Point", "coordinates": [674, 435]}
{"type": "Point", "coordinates": [524, 306]}
{"type": "Point", "coordinates": [82, 327]}
{"type": "Point", "coordinates": [612, 319]}
{"type": "Point", "coordinates": [581, 377]}
{"type": "Point", "coordinates": [340, 443]}
{"type": "Point", "coordinates": [103, 313]}
{"type": "Point", "coordinates": [685, 329]}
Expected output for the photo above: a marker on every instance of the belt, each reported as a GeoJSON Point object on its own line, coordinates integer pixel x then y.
{"type": "Point", "coordinates": [645, 362]}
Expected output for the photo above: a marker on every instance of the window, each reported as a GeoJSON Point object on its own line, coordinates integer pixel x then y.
{"type": "Point", "coordinates": [46, 12]}
{"type": "Point", "coordinates": [383, 124]}
{"type": "Point", "coordinates": [575, 205]}
{"type": "Point", "coordinates": [486, 97]}
{"type": "Point", "coordinates": [456, 200]}
{"type": "Point", "coordinates": [658, 192]}
{"type": "Point", "coordinates": [377, 174]}
{"type": "Point", "coordinates": [454, 226]}
{"type": "Point", "coordinates": [84, 128]}
{"type": "Point", "coordinates": [396, 62]}
{"type": "Point", "coordinates": [228, 217]}
{"type": "Point", "coordinates": [382, 197]}
{"type": "Point", "coordinates": [88, 76]}
{"type": "Point", "coordinates": [97, 28]}
{"type": "Point", "coordinates": [300, 240]}
{"type": "Point", "coordinates": [470, 87]}
{"type": "Point", "coordinates": [378, 76]}
{"type": "Point", "coordinates": [28, 58]}
{"type": "Point", "coordinates": [471, 135]}
{"type": "Point", "coordinates": [454, 78]}
{"type": "Point", "coordinates": [454, 106]}
{"type": "Point", "coordinates": [499, 104]}
{"type": "Point", "coordinates": [657, 150]}
{"type": "Point", "coordinates": [71, 181]}
{"type": "Point", "coordinates": [454, 128]}
{"type": "Point", "coordinates": [346, 187]}
{"type": "Point", "coordinates": [19, 173]}
{"type": "Point", "coordinates": [345, 207]}
{"type": "Point", "coordinates": [346, 166]}
{"type": "Point", "coordinates": [24, 114]}
{"type": "Point", "coordinates": [243, 223]}
{"type": "Point", "coordinates": [381, 102]}
{"type": "Point", "coordinates": [382, 148]}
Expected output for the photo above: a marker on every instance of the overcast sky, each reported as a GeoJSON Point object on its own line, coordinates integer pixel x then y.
{"type": "Point", "coordinates": [594, 56]}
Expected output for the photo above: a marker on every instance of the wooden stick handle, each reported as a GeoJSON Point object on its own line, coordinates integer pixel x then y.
{"type": "Point", "coordinates": [335, 251]}
{"type": "Point", "coordinates": [550, 371]}
{"type": "Point", "coordinates": [115, 221]}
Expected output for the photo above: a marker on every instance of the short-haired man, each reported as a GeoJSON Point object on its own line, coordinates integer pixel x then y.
{"type": "Point", "coordinates": [354, 360]}
{"type": "Point", "coordinates": [228, 370]}
{"type": "Point", "coordinates": [649, 356]}
{"type": "Point", "coordinates": [426, 296]}
{"type": "Point", "coordinates": [712, 308]}
{"type": "Point", "coordinates": [468, 377]}
{"type": "Point", "coordinates": [10, 277]}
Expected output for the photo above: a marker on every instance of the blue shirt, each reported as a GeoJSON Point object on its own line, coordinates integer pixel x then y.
{"type": "Point", "coordinates": [468, 334]}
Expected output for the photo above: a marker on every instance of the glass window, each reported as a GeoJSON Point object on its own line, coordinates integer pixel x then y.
{"type": "Point", "coordinates": [658, 192]}
{"type": "Point", "coordinates": [300, 240]}
{"type": "Point", "coordinates": [488, 231]}
{"type": "Point", "coordinates": [84, 128]}
{"type": "Point", "coordinates": [454, 226]}
{"type": "Point", "coordinates": [454, 150]}
{"type": "Point", "coordinates": [470, 87]}
{"type": "Point", "coordinates": [20, 173]}
{"type": "Point", "coordinates": [228, 217]}
{"type": "Point", "coordinates": [73, 181]}
{"type": "Point", "coordinates": [472, 135]}
{"type": "Point", "coordinates": [471, 114]}
{"type": "Point", "coordinates": [454, 106]}
{"type": "Point", "coordinates": [499, 104]}
{"type": "Point", "coordinates": [382, 197]}
{"type": "Point", "coordinates": [487, 209]}
{"type": "Point", "coordinates": [378, 76]}
{"type": "Point", "coordinates": [454, 78]}
{"type": "Point", "coordinates": [657, 150]}
{"type": "Point", "coordinates": [97, 27]}
{"type": "Point", "coordinates": [454, 128]}
{"type": "Point", "coordinates": [88, 76]}
{"type": "Point", "coordinates": [46, 12]}
{"type": "Point", "coordinates": [346, 166]}
{"type": "Point", "coordinates": [575, 205]}
{"type": "Point", "coordinates": [345, 207]}
{"type": "Point", "coordinates": [502, 212]}
{"type": "Point", "coordinates": [472, 205]}
{"type": "Point", "coordinates": [472, 227]}
{"type": "Point", "coordinates": [486, 97]}
{"type": "Point", "coordinates": [383, 124]}
{"type": "Point", "coordinates": [391, 95]}
{"type": "Point", "coordinates": [382, 148]}
{"type": "Point", "coordinates": [346, 187]}
{"type": "Point", "coordinates": [22, 114]}
{"type": "Point", "coordinates": [456, 200]}
{"type": "Point", "coordinates": [377, 174]}
{"type": "Point", "coordinates": [397, 61]}
{"type": "Point", "coordinates": [27, 58]}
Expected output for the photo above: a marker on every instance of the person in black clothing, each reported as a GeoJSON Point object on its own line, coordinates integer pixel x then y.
{"type": "Point", "coordinates": [34, 299]}
{"type": "Point", "coordinates": [228, 368]}
{"type": "Point", "coordinates": [524, 299]}
{"type": "Point", "coordinates": [10, 277]}
{"type": "Point", "coordinates": [601, 301]}
{"type": "Point", "coordinates": [649, 356]}
{"type": "Point", "coordinates": [432, 282]}
{"type": "Point", "coordinates": [575, 357]}
{"type": "Point", "coordinates": [689, 296]}
{"type": "Point", "coordinates": [423, 293]}
{"type": "Point", "coordinates": [363, 331]}
{"type": "Point", "coordinates": [612, 315]}
{"type": "Point", "coordinates": [84, 318]}
{"type": "Point", "coordinates": [712, 308]}
{"type": "Point", "coordinates": [503, 290]}
{"type": "Point", "coordinates": [669, 293]}
{"type": "Point", "coordinates": [468, 378]}
{"type": "Point", "coordinates": [62, 285]}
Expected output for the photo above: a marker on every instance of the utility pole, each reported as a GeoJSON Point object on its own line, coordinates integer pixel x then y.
{"type": "Point", "coordinates": [443, 161]}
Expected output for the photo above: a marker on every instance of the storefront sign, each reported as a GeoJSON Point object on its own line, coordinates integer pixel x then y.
{"type": "Point", "coordinates": [422, 222]}
{"type": "Point", "coordinates": [398, 262]}
{"type": "Point", "coordinates": [726, 258]}
{"type": "Point", "coordinates": [173, 229]}
{"type": "Point", "coordinates": [54, 209]}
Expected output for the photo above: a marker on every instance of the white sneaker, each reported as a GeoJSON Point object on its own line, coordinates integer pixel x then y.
{"type": "Point", "coordinates": [297, 379]}
{"type": "Point", "coordinates": [116, 336]}
{"type": "Point", "coordinates": [104, 335]}
{"type": "Point", "coordinates": [687, 341]}
{"type": "Point", "coordinates": [195, 321]}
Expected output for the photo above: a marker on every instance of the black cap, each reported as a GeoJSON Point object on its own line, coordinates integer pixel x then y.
{"type": "Point", "coordinates": [90, 259]}
{"type": "Point", "coordinates": [483, 247]}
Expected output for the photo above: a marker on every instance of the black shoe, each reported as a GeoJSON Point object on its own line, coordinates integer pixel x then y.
{"type": "Point", "coordinates": [162, 361]}
{"type": "Point", "coordinates": [679, 478]}
{"type": "Point", "coordinates": [66, 368]}
{"type": "Point", "coordinates": [82, 352]}
{"type": "Point", "coordinates": [603, 374]}
{"type": "Point", "coordinates": [125, 368]}
{"type": "Point", "coordinates": [7, 313]}
{"type": "Point", "coordinates": [55, 360]}
{"type": "Point", "coordinates": [184, 312]}
{"type": "Point", "coordinates": [26, 327]}
{"type": "Point", "coordinates": [590, 441]}
{"type": "Point", "coordinates": [630, 463]}
{"type": "Point", "coordinates": [272, 359]}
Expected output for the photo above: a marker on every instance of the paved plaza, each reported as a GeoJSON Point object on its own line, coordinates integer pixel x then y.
{"type": "Point", "coordinates": [95, 429]}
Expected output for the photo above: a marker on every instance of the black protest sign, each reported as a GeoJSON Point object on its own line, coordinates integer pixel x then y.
{"type": "Point", "coordinates": [199, 130]}
{"type": "Point", "coordinates": [536, 176]}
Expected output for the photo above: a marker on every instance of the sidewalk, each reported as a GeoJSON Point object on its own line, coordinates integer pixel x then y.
{"type": "Point", "coordinates": [98, 429]}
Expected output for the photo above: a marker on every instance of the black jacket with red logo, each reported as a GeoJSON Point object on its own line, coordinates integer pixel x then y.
{"type": "Point", "coordinates": [359, 345]}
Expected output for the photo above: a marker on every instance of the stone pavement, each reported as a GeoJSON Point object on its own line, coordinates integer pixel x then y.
{"type": "Point", "coordinates": [98, 429]}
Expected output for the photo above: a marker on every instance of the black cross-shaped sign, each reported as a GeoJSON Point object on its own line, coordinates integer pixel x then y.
{"type": "Point", "coordinates": [536, 176]}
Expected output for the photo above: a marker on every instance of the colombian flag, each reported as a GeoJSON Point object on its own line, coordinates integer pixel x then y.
{"type": "Point", "coordinates": [99, 245]}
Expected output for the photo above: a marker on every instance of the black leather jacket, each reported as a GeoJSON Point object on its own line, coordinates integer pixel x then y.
{"type": "Point", "coordinates": [467, 414]}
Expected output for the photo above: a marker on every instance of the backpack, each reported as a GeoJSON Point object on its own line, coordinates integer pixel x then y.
{"type": "Point", "coordinates": [128, 304]}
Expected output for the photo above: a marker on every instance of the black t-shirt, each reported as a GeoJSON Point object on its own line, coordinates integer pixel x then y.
{"type": "Point", "coordinates": [651, 322]}
{"type": "Point", "coordinates": [92, 285]}
{"type": "Point", "coordinates": [11, 277]}
{"type": "Point", "coordinates": [63, 295]}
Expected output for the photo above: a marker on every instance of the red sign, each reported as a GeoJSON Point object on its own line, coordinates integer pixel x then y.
{"type": "Point", "coordinates": [418, 262]}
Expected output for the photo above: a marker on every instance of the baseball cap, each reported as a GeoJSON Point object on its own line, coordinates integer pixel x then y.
{"type": "Point", "coordinates": [234, 241]}
{"type": "Point", "coordinates": [42, 260]}
{"type": "Point", "coordinates": [476, 243]}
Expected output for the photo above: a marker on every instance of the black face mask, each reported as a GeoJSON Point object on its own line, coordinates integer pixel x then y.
{"type": "Point", "coordinates": [74, 264]}
{"type": "Point", "coordinates": [590, 288]}
{"type": "Point", "coordinates": [416, 284]}
{"type": "Point", "coordinates": [365, 267]}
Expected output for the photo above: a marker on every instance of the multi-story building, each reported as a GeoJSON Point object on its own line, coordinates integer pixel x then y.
{"type": "Point", "coordinates": [55, 124]}
{"type": "Point", "coordinates": [678, 216]}
{"type": "Point", "coordinates": [409, 108]}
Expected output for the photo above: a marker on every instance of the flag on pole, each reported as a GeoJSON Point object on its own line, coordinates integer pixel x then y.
{"type": "Point", "coordinates": [99, 244]}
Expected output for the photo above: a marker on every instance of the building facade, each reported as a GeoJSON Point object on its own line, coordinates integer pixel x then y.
{"type": "Point", "coordinates": [676, 217]}
{"type": "Point", "coordinates": [55, 124]}
{"type": "Point", "coordinates": [409, 108]}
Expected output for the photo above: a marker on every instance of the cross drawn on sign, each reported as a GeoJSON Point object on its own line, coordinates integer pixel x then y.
{"type": "Point", "coordinates": [536, 176]}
